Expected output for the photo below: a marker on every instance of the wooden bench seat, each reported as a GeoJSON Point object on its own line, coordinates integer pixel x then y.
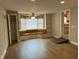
{"type": "Point", "coordinates": [32, 32]}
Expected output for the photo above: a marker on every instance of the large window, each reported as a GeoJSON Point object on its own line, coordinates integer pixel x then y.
{"type": "Point", "coordinates": [31, 24]}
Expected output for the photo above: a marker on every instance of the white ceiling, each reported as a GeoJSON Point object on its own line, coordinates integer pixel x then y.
{"type": "Point", "coordinates": [39, 6]}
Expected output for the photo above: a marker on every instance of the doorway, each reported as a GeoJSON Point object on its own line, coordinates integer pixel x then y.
{"type": "Point", "coordinates": [66, 24]}
{"type": "Point", "coordinates": [12, 28]}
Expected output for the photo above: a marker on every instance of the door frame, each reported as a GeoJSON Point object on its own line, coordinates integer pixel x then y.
{"type": "Point", "coordinates": [9, 29]}
{"type": "Point", "coordinates": [63, 23]}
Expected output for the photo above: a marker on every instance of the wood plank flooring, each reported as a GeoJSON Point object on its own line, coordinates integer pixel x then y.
{"type": "Point", "coordinates": [41, 49]}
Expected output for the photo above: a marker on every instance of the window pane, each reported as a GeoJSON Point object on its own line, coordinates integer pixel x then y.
{"type": "Point", "coordinates": [40, 23]}
{"type": "Point", "coordinates": [23, 24]}
{"type": "Point", "coordinates": [31, 24]}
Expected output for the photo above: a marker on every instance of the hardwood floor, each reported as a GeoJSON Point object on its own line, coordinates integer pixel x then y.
{"type": "Point", "coordinates": [41, 49]}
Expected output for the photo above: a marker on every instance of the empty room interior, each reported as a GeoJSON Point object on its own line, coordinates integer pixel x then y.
{"type": "Point", "coordinates": [38, 29]}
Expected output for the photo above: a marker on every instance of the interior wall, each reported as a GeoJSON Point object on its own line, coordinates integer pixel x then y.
{"type": "Point", "coordinates": [48, 26]}
{"type": "Point", "coordinates": [56, 25]}
{"type": "Point", "coordinates": [3, 33]}
{"type": "Point", "coordinates": [74, 25]}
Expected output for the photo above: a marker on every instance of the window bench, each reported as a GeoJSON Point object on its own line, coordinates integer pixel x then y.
{"type": "Point", "coordinates": [33, 32]}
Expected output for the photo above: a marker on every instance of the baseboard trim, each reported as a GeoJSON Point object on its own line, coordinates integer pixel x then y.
{"type": "Point", "coordinates": [56, 37]}
{"type": "Point", "coordinates": [2, 57]}
{"type": "Point", "coordinates": [73, 43]}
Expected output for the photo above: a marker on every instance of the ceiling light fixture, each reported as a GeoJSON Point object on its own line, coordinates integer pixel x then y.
{"type": "Point", "coordinates": [33, 16]}
{"type": "Point", "coordinates": [33, 9]}
{"type": "Point", "coordinates": [33, 0]}
{"type": "Point", "coordinates": [62, 2]}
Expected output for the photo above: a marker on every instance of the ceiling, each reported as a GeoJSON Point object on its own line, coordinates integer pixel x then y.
{"type": "Point", "coordinates": [39, 6]}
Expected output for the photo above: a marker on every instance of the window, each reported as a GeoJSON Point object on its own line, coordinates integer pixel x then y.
{"type": "Point", "coordinates": [31, 24]}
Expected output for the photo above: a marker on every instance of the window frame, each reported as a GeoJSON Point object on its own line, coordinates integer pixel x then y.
{"type": "Point", "coordinates": [36, 30]}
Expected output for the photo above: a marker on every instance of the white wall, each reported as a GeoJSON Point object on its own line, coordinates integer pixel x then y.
{"type": "Point", "coordinates": [3, 33]}
{"type": "Point", "coordinates": [48, 25]}
{"type": "Point", "coordinates": [56, 25]}
{"type": "Point", "coordinates": [74, 25]}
